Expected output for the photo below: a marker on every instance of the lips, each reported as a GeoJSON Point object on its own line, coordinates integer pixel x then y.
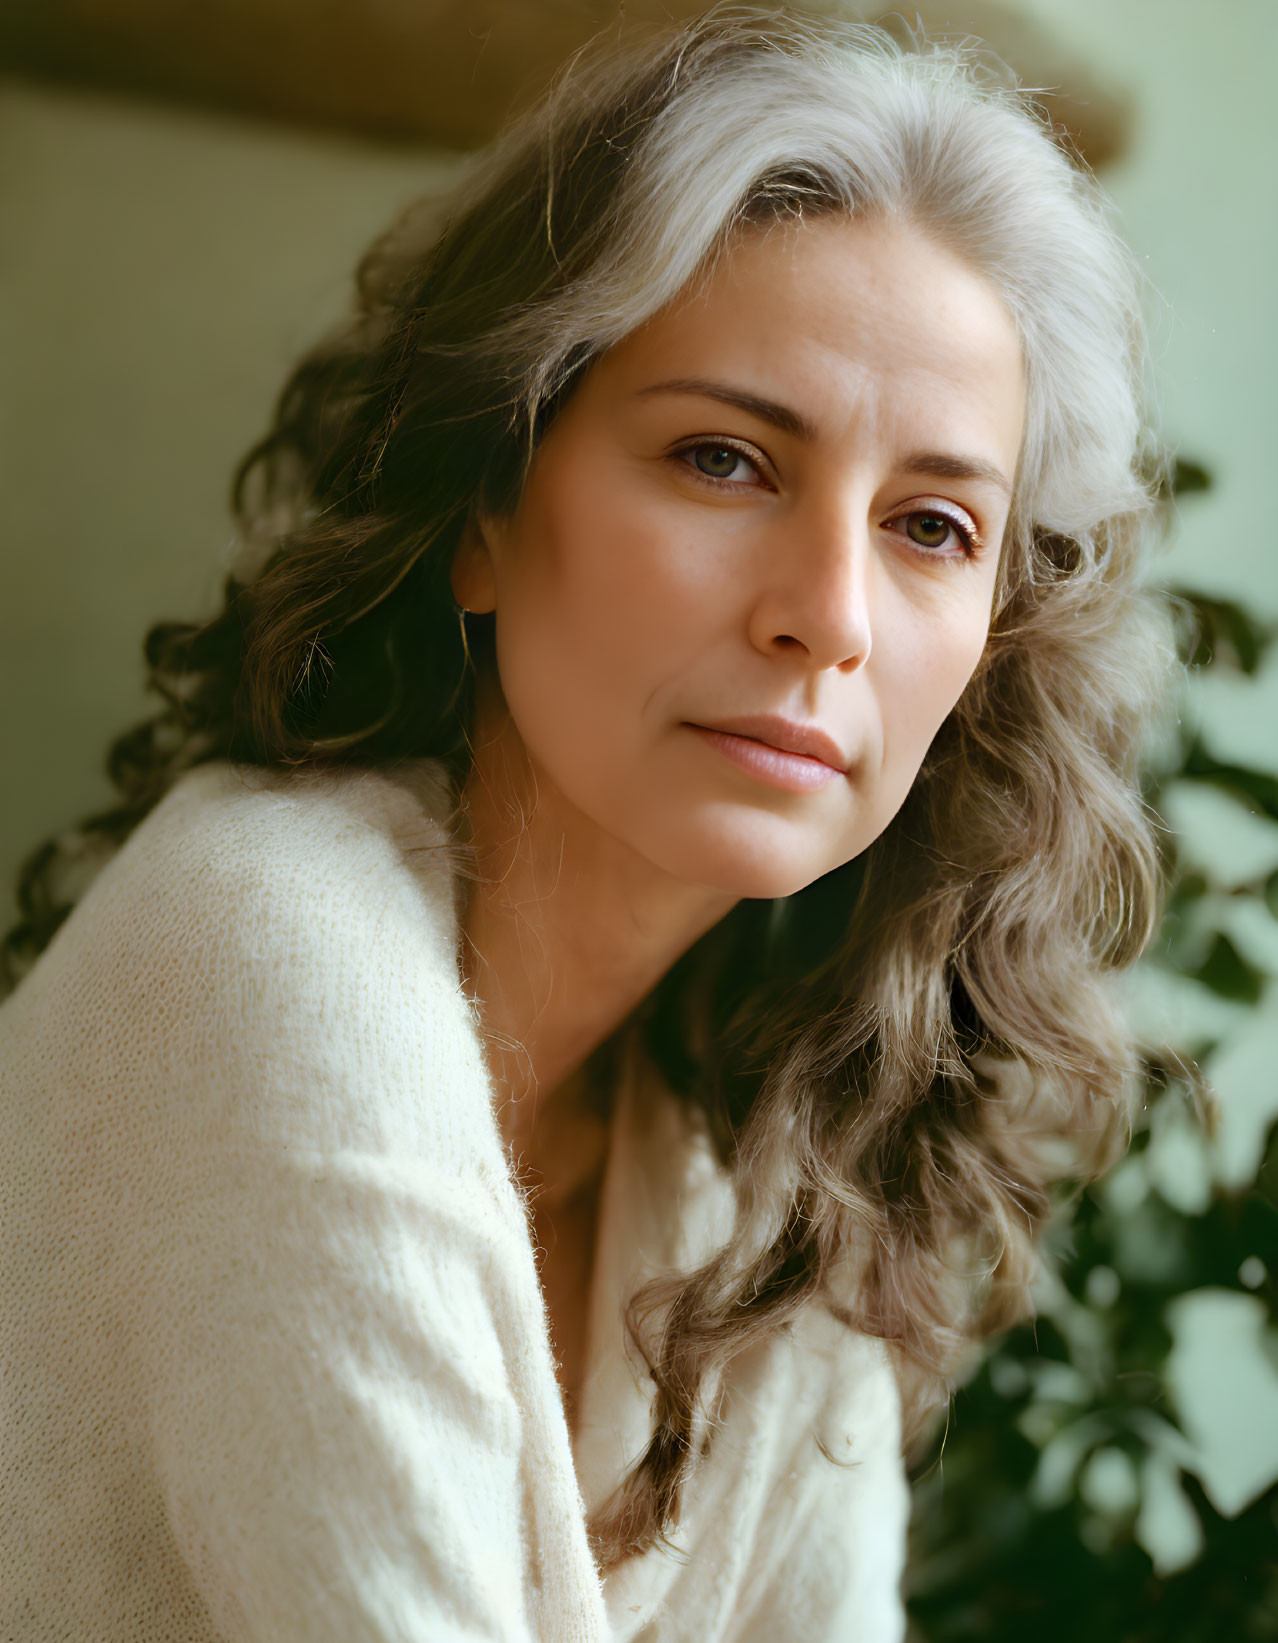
{"type": "Point", "coordinates": [787, 736]}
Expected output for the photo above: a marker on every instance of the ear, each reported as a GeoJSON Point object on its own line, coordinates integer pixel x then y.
{"type": "Point", "coordinates": [473, 574]}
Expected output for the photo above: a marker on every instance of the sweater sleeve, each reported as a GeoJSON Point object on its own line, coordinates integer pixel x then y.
{"type": "Point", "coordinates": [336, 1437]}
{"type": "Point", "coordinates": [331, 1307]}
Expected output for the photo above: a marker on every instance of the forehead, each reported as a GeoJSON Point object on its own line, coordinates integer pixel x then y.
{"type": "Point", "coordinates": [850, 316]}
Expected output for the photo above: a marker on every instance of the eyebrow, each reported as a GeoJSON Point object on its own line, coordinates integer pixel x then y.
{"type": "Point", "coordinates": [938, 464]}
{"type": "Point", "coordinates": [767, 410]}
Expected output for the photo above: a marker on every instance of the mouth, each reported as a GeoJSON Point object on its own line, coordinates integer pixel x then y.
{"type": "Point", "coordinates": [789, 769]}
{"type": "Point", "coordinates": [786, 736]}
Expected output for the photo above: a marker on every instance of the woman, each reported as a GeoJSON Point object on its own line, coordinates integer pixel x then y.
{"type": "Point", "coordinates": [522, 1173]}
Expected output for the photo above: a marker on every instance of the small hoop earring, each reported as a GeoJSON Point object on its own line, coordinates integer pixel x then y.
{"type": "Point", "coordinates": [462, 614]}
{"type": "Point", "coordinates": [467, 660]}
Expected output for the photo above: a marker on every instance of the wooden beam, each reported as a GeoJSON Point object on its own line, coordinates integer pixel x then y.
{"type": "Point", "coordinates": [445, 72]}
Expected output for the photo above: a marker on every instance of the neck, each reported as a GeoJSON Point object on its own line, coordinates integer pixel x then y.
{"type": "Point", "coordinates": [566, 930]}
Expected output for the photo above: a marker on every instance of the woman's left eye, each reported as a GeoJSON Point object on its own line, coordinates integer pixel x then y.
{"type": "Point", "coordinates": [931, 530]}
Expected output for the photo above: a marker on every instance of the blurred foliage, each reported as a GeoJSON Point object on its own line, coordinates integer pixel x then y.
{"type": "Point", "coordinates": [1065, 1499]}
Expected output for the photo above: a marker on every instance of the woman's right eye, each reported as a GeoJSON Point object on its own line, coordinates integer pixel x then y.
{"type": "Point", "coordinates": [716, 461]}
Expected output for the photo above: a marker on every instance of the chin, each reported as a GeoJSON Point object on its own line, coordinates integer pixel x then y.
{"type": "Point", "coordinates": [751, 869]}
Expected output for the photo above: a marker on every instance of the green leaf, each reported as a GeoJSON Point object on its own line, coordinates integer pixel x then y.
{"type": "Point", "coordinates": [1253, 787]}
{"type": "Point", "coordinates": [1228, 973]}
{"type": "Point", "coordinates": [1189, 477]}
{"type": "Point", "coordinates": [1219, 631]}
{"type": "Point", "coordinates": [1190, 886]}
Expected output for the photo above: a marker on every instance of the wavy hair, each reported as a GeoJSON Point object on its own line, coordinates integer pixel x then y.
{"type": "Point", "coordinates": [899, 1061]}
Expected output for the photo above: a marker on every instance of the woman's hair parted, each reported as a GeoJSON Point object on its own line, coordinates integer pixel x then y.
{"type": "Point", "coordinates": [902, 1058]}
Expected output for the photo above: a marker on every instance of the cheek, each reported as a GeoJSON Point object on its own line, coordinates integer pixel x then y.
{"type": "Point", "coordinates": [601, 590]}
{"type": "Point", "coordinates": [929, 673]}
{"type": "Point", "coordinates": [584, 631]}
{"type": "Point", "coordinates": [959, 661]}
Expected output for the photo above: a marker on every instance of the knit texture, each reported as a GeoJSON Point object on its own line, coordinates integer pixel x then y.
{"type": "Point", "coordinates": [274, 1358]}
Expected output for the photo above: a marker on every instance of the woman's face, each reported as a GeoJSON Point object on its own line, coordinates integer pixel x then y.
{"type": "Point", "coordinates": [782, 499]}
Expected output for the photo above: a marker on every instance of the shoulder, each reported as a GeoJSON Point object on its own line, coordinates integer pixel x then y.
{"type": "Point", "coordinates": [236, 861]}
{"type": "Point", "coordinates": [321, 837]}
{"type": "Point", "coordinates": [263, 929]}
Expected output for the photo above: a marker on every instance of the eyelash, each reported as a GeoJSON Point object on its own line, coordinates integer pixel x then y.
{"type": "Point", "coordinates": [970, 542]}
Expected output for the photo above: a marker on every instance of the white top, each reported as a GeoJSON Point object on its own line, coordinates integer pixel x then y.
{"type": "Point", "coordinates": [274, 1359]}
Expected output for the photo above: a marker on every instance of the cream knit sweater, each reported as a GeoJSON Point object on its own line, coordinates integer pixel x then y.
{"type": "Point", "coordinates": [274, 1363]}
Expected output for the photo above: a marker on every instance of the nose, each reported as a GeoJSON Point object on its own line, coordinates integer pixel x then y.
{"type": "Point", "coordinates": [815, 594]}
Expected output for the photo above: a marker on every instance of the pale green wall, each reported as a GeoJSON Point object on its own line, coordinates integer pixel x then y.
{"type": "Point", "coordinates": [159, 271]}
